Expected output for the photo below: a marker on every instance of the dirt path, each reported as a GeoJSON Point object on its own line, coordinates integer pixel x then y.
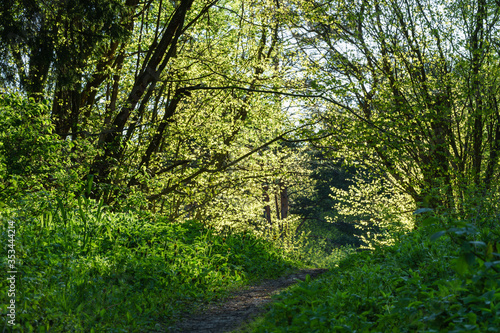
{"type": "Point", "coordinates": [240, 307]}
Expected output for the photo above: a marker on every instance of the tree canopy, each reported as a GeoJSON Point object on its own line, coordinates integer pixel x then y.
{"type": "Point", "coordinates": [173, 101]}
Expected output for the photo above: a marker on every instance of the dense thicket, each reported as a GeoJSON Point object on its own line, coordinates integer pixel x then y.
{"type": "Point", "coordinates": [410, 88]}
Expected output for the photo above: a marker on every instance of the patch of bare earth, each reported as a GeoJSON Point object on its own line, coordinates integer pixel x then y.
{"type": "Point", "coordinates": [240, 307]}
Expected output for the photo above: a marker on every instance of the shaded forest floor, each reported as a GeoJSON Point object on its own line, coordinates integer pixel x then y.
{"type": "Point", "coordinates": [240, 307]}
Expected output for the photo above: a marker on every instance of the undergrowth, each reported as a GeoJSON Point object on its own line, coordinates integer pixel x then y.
{"type": "Point", "coordinates": [82, 268]}
{"type": "Point", "coordinates": [424, 283]}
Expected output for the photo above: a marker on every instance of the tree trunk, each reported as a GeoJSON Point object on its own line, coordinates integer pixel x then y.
{"type": "Point", "coordinates": [152, 69]}
{"type": "Point", "coordinates": [267, 207]}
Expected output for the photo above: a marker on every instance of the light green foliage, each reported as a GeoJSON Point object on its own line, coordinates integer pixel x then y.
{"type": "Point", "coordinates": [407, 89]}
{"type": "Point", "coordinates": [319, 208]}
{"type": "Point", "coordinates": [32, 158]}
{"type": "Point", "coordinates": [240, 203]}
{"type": "Point", "coordinates": [380, 210]}
{"type": "Point", "coordinates": [26, 137]}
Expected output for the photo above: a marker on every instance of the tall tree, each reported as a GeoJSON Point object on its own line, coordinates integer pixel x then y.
{"type": "Point", "coordinates": [410, 88]}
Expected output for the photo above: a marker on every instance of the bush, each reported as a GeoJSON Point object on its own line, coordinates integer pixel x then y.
{"type": "Point", "coordinates": [32, 157]}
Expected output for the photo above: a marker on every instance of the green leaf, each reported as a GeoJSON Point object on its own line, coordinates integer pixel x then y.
{"type": "Point", "coordinates": [490, 264]}
{"type": "Point", "coordinates": [478, 244]}
{"type": "Point", "coordinates": [437, 235]}
{"type": "Point", "coordinates": [89, 184]}
{"type": "Point", "coordinates": [461, 265]}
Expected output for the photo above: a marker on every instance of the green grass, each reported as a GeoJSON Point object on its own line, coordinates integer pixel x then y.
{"type": "Point", "coordinates": [82, 268]}
{"type": "Point", "coordinates": [417, 285]}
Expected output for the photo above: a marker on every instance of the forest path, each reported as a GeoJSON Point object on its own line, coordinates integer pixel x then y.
{"type": "Point", "coordinates": [241, 306]}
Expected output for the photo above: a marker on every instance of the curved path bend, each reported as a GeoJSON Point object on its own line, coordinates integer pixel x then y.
{"type": "Point", "coordinates": [240, 307]}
